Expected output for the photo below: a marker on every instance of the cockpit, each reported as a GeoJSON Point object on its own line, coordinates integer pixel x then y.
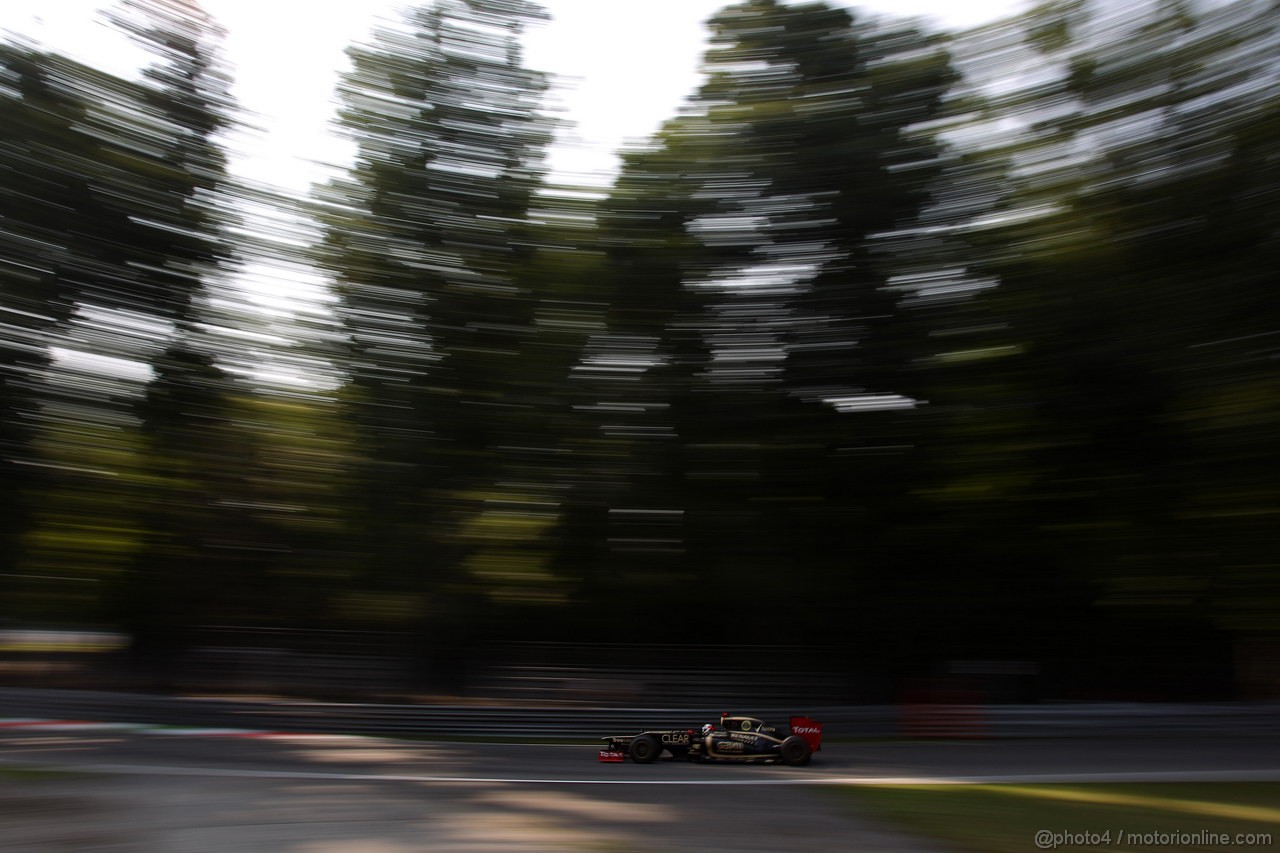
{"type": "Point", "coordinates": [742, 724]}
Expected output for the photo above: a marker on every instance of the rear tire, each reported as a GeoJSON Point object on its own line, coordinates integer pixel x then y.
{"type": "Point", "coordinates": [795, 751]}
{"type": "Point", "coordinates": [645, 749]}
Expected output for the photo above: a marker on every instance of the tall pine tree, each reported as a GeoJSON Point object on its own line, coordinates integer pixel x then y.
{"type": "Point", "coordinates": [428, 239]}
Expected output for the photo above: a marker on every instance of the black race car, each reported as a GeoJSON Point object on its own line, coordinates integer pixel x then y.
{"type": "Point", "coordinates": [741, 739]}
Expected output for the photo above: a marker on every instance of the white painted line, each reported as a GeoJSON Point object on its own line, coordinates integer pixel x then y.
{"type": "Point", "coordinates": [1224, 775]}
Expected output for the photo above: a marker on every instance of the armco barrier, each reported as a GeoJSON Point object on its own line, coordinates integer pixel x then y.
{"type": "Point", "coordinates": [869, 721]}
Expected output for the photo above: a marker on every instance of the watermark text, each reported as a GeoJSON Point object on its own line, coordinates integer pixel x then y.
{"type": "Point", "coordinates": [1048, 839]}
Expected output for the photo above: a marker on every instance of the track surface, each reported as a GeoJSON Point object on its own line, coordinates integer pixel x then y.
{"type": "Point", "coordinates": [190, 793]}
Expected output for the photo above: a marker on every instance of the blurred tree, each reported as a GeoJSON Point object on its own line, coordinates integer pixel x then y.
{"type": "Point", "coordinates": [849, 354]}
{"type": "Point", "coordinates": [117, 219]}
{"type": "Point", "coordinates": [428, 239]}
{"type": "Point", "coordinates": [39, 112]}
{"type": "Point", "coordinates": [1131, 250]}
{"type": "Point", "coordinates": [281, 342]}
{"type": "Point", "coordinates": [1188, 199]}
{"type": "Point", "coordinates": [171, 164]}
{"type": "Point", "coordinates": [624, 535]}
{"type": "Point", "coordinates": [750, 307]}
{"type": "Point", "coordinates": [175, 202]}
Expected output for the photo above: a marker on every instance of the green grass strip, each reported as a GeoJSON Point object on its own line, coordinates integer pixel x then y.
{"type": "Point", "coordinates": [1209, 816]}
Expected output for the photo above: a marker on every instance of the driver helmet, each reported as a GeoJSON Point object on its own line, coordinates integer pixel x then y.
{"type": "Point", "coordinates": [707, 728]}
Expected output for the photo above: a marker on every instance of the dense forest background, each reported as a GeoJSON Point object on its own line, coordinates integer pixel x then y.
{"type": "Point", "coordinates": [909, 346]}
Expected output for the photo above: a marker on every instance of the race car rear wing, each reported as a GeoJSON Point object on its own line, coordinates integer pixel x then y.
{"type": "Point", "coordinates": [810, 730]}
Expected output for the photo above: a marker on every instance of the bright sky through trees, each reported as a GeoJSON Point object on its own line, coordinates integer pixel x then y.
{"type": "Point", "coordinates": [623, 67]}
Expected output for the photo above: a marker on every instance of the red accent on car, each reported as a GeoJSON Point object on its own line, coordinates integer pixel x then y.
{"type": "Point", "coordinates": [810, 730]}
{"type": "Point", "coordinates": [612, 755]}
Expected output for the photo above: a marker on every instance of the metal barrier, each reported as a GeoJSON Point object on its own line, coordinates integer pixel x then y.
{"type": "Point", "coordinates": [425, 720]}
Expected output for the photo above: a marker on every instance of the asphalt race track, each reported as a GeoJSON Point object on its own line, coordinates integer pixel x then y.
{"type": "Point", "coordinates": [188, 792]}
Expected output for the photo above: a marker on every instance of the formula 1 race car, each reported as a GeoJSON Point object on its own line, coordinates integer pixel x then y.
{"type": "Point", "coordinates": [741, 739]}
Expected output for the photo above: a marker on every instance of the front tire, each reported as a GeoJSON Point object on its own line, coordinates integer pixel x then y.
{"type": "Point", "coordinates": [795, 751]}
{"type": "Point", "coordinates": [645, 749]}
